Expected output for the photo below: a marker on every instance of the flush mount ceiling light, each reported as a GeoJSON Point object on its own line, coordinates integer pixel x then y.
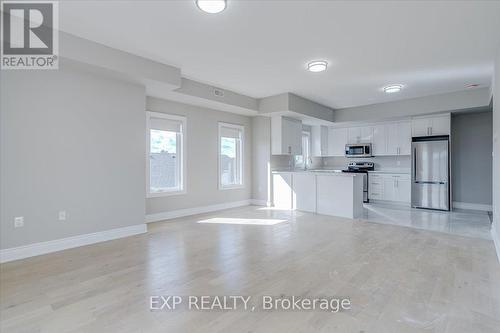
{"type": "Point", "coordinates": [393, 88]}
{"type": "Point", "coordinates": [317, 66]}
{"type": "Point", "coordinates": [211, 6]}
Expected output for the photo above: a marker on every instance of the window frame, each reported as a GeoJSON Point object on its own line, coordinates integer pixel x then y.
{"type": "Point", "coordinates": [242, 151]}
{"type": "Point", "coordinates": [305, 160]}
{"type": "Point", "coordinates": [183, 153]}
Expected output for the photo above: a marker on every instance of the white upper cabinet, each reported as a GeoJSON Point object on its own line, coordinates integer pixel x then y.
{"type": "Point", "coordinates": [391, 132]}
{"type": "Point", "coordinates": [392, 139]}
{"type": "Point", "coordinates": [379, 142]}
{"type": "Point", "coordinates": [366, 134]}
{"type": "Point", "coordinates": [360, 134]}
{"type": "Point", "coordinates": [387, 139]}
{"type": "Point", "coordinates": [354, 135]}
{"type": "Point", "coordinates": [337, 139]}
{"type": "Point", "coordinates": [404, 138]}
{"type": "Point", "coordinates": [441, 125]}
{"type": "Point", "coordinates": [319, 140]}
{"type": "Point", "coordinates": [286, 136]}
{"type": "Point", "coordinates": [420, 127]}
{"type": "Point", "coordinates": [431, 125]}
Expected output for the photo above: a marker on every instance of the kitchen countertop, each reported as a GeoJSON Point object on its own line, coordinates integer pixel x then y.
{"type": "Point", "coordinates": [399, 171]}
{"type": "Point", "coordinates": [326, 172]}
{"type": "Point", "coordinates": [339, 171]}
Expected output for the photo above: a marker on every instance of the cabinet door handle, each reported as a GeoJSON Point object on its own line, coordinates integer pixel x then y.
{"type": "Point", "coordinates": [430, 128]}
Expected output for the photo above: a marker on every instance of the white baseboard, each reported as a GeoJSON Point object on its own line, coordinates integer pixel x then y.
{"type": "Point", "coordinates": [496, 240]}
{"type": "Point", "coordinates": [472, 206]}
{"type": "Point", "coordinates": [257, 202]}
{"type": "Point", "coordinates": [195, 210]}
{"type": "Point", "coordinates": [36, 249]}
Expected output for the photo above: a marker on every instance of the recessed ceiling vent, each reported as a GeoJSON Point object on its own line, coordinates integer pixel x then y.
{"type": "Point", "coordinates": [218, 92]}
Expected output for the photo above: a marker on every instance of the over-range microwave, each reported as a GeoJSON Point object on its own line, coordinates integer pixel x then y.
{"type": "Point", "coordinates": [358, 150]}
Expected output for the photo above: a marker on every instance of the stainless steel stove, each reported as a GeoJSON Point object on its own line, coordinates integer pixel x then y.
{"type": "Point", "coordinates": [361, 167]}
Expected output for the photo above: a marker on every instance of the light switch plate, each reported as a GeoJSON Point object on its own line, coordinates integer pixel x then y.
{"type": "Point", "coordinates": [62, 215]}
{"type": "Point", "coordinates": [18, 222]}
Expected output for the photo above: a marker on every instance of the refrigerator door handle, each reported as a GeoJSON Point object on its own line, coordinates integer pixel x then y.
{"type": "Point", "coordinates": [415, 163]}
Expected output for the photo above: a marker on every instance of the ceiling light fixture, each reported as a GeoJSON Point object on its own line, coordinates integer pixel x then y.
{"type": "Point", "coordinates": [317, 66]}
{"type": "Point", "coordinates": [211, 6]}
{"type": "Point", "coordinates": [393, 88]}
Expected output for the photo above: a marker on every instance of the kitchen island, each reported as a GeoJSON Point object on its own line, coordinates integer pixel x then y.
{"type": "Point", "coordinates": [326, 192]}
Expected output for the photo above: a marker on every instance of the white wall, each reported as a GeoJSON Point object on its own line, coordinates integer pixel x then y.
{"type": "Point", "coordinates": [467, 99]}
{"type": "Point", "coordinates": [70, 140]}
{"type": "Point", "coordinates": [202, 158]}
{"type": "Point", "coordinates": [261, 159]}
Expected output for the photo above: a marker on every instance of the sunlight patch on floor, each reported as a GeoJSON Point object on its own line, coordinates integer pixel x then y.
{"type": "Point", "coordinates": [228, 220]}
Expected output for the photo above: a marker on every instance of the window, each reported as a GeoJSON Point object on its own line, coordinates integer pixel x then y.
{"type": "Point", "coordinates": [166, 152]}
{"type": "Point", "coordinates": [230, 156]}
{"type": "Point", "coordinates": [303, 160]}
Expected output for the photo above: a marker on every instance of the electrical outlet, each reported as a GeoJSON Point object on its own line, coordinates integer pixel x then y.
{"type": "Point", "coordinates": [62, 215]}
{"type": "Point", "coordinates": [18, 222]}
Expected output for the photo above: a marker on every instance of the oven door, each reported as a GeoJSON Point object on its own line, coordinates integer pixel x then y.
{"type": "Point", "coordinates": [358, 150]}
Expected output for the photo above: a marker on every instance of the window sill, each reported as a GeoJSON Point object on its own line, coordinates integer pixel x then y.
{"type": "Point", "coordinates": [231, 187]}
{"type": "Point", "coordinates": [164, 194]}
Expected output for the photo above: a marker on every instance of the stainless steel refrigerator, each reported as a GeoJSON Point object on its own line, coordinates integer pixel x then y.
{"type": "Point", "coordinates": [430, 186]}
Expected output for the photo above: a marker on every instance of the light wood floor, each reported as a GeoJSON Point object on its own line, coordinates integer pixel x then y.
{"type": "Point", "coordinates": [398, 279]}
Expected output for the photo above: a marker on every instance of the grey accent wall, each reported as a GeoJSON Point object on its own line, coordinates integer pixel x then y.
{"type": "Point", "coordinates": [70, 140]}
{"type": "Point", "coordinates": [471, 160]}
{"type": "Point", "coordinates": [496, 150]}
{"type": "Point", "coordinates": [202, 158]}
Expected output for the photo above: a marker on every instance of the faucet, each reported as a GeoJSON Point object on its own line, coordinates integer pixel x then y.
{"type": "Point", "coordinates": [306, 162]}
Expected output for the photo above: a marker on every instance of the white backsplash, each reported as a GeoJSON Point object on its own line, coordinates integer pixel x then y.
{"type": "Point", "coordinates": [286, 161]}
{"type": "Point", "coordinates": [380, 162]}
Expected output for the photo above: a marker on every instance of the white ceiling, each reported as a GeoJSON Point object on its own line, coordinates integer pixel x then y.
{"type": "Point", "coordinates": [260, 48]}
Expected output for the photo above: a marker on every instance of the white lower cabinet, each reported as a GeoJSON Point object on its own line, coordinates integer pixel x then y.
{"type": "Point", "coordinates": [403, 189]}
{"type": "Point", "coordinates": [282, 190]}
{"type": "Point", "coordinates": [328, 194]}
{"type": "Point", "coordinates": [304, 192]}
{"type": "Point", "coordinates": [389, 187]}
{"type": "Point", "coordinates": [340, 196]}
